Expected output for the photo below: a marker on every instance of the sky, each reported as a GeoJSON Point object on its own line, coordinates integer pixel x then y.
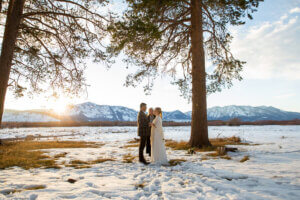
{"type": "Point", "coordinates": [270, 44]}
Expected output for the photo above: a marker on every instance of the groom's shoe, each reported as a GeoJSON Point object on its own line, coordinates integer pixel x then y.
{"type": "Point", "coordinates": [144, 162]}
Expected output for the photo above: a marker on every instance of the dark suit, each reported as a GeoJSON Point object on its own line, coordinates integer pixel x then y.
{"type": "Point", "coordinates": [143, 132]}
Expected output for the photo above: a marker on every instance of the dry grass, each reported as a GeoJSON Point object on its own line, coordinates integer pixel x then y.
{"type": "Point", "coordinates": [215, 142]}
{"type": "Point", "coordinates": [102, 160]}
{"type": "Point", "coordinates": [135, 140]}
{"type": "Point", "coordinates": [204, 158]}
{"type": "Point", "coordinates": [219, 142]}
{"type": "Point", "coordinates": [36, 187]}
{"type": "Point", "coordinates": [226, 157]}
{"type": "Point", "coordinates": [131, 145]}
{"type": "Point", "coordinates": [175, 162]}
{"type": "Point", "coordinates": [27, 154]}
{"type": "Point", "coordinates": [213, 154]}
{"type": "Point", "coordinates": [244, 159]}
{"type": "Point", "coordinates": [128, 158]}
{"type": "Point", "coordinates": [11, 191]}
{"type": "Point", "coordinates": [60, 155]}
{"type": "Point", "coordinates": [182, 145]}
{"type": "Point", "coordinates": [80, 164]}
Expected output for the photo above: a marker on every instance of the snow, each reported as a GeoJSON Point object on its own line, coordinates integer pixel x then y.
{"type": "Point", "coordinates": [27, 117]}
{"type": "Point", "coordinates": [271, 173]}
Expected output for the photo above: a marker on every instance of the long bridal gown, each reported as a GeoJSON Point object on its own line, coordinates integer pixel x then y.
{"type": "Point", "coordinates": [158, 149]}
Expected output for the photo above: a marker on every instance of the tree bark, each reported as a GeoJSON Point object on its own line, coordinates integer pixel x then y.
{"type": "Point", "coordinates": [13, 20]}
{"type": "Point", "coordinates": [0, 5]}
{"type": "Point", "coordinates": [199, 129]}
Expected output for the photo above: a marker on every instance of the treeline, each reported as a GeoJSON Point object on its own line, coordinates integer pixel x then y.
{"type": "Point", "coordinates": [233, 122]}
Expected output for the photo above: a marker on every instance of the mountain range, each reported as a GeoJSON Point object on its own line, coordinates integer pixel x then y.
{"type": "Point", "coordinates": [93, 112]}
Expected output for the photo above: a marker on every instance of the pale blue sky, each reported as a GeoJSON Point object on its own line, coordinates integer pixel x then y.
{"type": "Point", "coordinates": [270, 44]}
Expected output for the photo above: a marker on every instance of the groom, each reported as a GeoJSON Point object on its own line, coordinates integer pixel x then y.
{"type": "Point", "coordinates": [144, 133]}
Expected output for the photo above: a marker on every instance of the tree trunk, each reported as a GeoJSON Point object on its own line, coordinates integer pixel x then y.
{"type": "Point", "coordinates": [13, 20]}
{"type": "Point", "coordinates": [199, 129]}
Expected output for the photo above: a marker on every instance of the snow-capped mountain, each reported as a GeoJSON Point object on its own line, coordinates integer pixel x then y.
{"type": "Point", "coordinates": [249, 113]}
{"type": "Point", "coordinates": [27, 116]}
{"type": "Point", "coordinates": [93, 112]}
{"type": "Point", "coordinates": [175, 116]}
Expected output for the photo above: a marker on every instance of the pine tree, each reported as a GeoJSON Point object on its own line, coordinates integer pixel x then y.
{"type": "Point", "coordinates": [172, 36]}
{"type": "Point", "coordinates": [46, 42]}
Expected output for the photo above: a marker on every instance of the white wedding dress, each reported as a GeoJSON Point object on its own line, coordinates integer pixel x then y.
{"type": "Point", "coordinates": [158, 149]}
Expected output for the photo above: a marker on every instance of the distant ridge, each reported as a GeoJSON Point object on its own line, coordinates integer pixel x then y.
{"type": "Point", "coordinates": [93, 112]}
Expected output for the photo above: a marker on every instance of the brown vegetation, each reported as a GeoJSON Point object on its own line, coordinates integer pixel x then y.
{"type": "Point", "coordinates": [78, 124]}
{"type": "Point", "coordinates": [244, 159]}
{"type": "Point", "coordinates": [128, 158]}
{"type": "Point", "coordinates": [119, 123]}
{"type": "Point", "coordinates": [216, 142]}
{"type": "Point", "coordinates": [234, 122]}
{"type": "Point", "coordinates": [36, 187]}
{"type": "Point", "coordinates": [140, 185]}
{"type": "Point", "coordinates": [175, 162]}
{"type": "Point", "coordinates": [218, 147]}
{"type": "Point", "coordinates": [131, 145]}
{"type": "Point", "coordinates": [60, 155]}
{"type": "Point", "coordinates": [27, 154]}
{"type": "Point", "coordinates": [80, 164]}
{"type": "Point", "coordinates": [217, 154]}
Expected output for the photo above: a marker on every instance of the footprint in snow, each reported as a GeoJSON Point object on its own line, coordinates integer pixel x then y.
{"type": "Point", "coordinates": [33, 197]}
{"type": "Point", "coordinates": [90, 184]}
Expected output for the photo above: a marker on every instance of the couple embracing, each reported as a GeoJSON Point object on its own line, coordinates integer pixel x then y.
{"type": "Point", "coordinates": [151, 135]}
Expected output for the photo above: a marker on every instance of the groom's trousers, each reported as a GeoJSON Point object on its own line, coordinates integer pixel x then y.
{"type": "Point", "coordinates": [144, 142]}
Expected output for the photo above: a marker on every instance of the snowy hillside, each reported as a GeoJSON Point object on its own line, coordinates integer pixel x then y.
{"type": "Point", "coordinates": [93, 112]}
{"type": "Point", "coordinates": [249, 113]}
{"type": "Point", "coordinates": [26, 116]}
{"type": "Point", "coordinates": [175, 116]}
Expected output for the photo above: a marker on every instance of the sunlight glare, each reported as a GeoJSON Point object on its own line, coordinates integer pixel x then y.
{"type": "Point", "coordinates": [59, 105]}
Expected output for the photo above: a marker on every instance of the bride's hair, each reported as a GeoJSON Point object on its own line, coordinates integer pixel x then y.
{"type": "Point", "coordinates": [158, 109]}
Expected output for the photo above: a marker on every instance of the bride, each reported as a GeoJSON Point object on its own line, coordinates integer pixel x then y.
{"type": "Point", "coordinates": [158, 149]}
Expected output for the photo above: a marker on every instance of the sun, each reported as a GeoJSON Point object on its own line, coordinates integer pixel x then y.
{"type": "Point", "coordinates": [59, 105]}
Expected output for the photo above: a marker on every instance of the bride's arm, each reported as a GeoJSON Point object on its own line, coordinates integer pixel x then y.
{"type": "Point", "coordinates": [159, 123]}
{"type": "Point", "coordinates": [154, 123]}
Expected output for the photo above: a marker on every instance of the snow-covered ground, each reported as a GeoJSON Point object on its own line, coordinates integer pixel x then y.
{"type": "Point", "coordinates": [272, 172]}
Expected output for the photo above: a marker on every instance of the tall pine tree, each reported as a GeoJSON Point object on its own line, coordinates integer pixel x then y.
{"type": "Point", "coordinates": [171, 36]}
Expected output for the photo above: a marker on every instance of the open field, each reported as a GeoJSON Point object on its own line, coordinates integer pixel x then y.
{"type": "Point", "coordinates": [101, 163]}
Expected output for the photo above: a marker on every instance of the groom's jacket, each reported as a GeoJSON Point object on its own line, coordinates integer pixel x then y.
{"type": "Point", "coordinates": [143, 124]}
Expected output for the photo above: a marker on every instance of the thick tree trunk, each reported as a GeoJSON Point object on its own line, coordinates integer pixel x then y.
{"type": "Point", "coordinates": [199, 129]}
{"type": "Point", "coordinates": [13, 20]}
{"type": "Point", "coordinates": [0, 5]}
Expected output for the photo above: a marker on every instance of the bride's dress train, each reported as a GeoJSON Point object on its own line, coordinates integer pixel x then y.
{"type": "Point", "coordinates": [158, 149]}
